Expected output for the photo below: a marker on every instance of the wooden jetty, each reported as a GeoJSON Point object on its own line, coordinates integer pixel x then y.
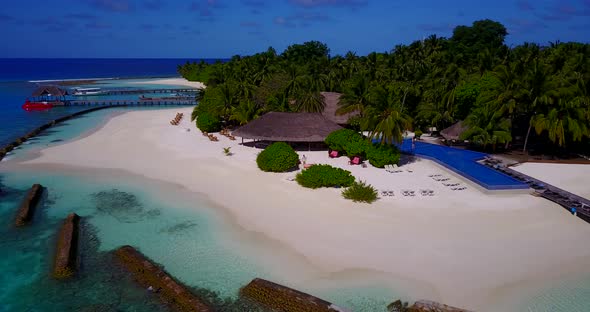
{"type": "Point", "coordinates": [140, 91]}
{"type": "Point", "coordinates": [138, 102]}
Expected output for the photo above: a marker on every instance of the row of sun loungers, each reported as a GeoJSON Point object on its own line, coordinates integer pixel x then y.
{"type": "Point", "coordinates": [408, 193]}
{"type": "Point", "coordinates": [225, 132]}
{"type": "Point", "coordinates": [395, 169]}
{"type": "Point", "coordinates": [455, 186]}
{"type": "Point", "coordinates": [176, 119]}
{"type": "Point", "coordinates": [211, 137]}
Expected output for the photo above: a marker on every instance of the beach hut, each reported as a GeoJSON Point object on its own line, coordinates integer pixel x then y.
{"type": "Point", "coordinates": [50, 93]}
{"type": "Point", "coordinates": [453, 133]}
{"type": "Point", "coordinates": [332, 103]}
{"type": "Point", "coordinates": [288, 127]}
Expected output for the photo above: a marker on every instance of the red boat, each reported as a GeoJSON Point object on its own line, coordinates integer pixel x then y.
{"type": "Point", "coordinates": [37, 105]}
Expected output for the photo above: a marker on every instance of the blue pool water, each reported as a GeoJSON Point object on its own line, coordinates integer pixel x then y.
{"type": "Point", "coordinates": [464, 162]}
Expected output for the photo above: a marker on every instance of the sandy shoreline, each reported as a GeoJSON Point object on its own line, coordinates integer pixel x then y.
{"type": "Point", "coordinates": [465, 246]}
{"type": "Point", "coordinates": [173, 82]}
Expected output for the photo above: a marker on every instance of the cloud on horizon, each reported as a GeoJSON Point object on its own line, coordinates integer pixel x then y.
{"type": "Point", "coordinates": [301, 19]}
{"type": "Point", "coordinates": [567, 10]}
{"type": "Point", "coordinates": [522, 25]}
{"type": "Point", "coordinates": [249, 24]}
{"type": "Point", "coordinates": [154, 5]}
{"type": "Point", "coordinates": [113, 6]}
{"type": "Point", "coordinates": [52, 24]}
{"type": "Point", "coordinates": [80, 16]}
{"type": "Point", "coordinates": [6, 18]}
{"type": "Point", "coordinates": [206, 8]}
{"type": "Point", "coordinates": [443, 27]}
{"type": "Point", "coordinates": [98, 25]}
{"type": "Point", "coordinates": [354, 4]}
{"type": "Point", "coordinates": [525, 5]}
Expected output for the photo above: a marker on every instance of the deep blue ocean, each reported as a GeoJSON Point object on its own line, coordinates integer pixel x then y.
{"type": "Point", "coordinates": [15, 85]}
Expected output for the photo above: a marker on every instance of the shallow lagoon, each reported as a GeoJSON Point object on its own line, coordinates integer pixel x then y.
{"type": "Point", "coordinates": [194, 240]}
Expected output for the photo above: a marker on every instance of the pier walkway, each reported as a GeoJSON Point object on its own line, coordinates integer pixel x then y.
{"type": "Point", "coordinates": [138, 102]}
{"type": "Point", "coordinates": [140, 91]}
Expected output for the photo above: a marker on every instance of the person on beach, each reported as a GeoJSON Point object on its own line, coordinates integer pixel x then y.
{"type": "Point", "coordinates": [574, 211]}
{"type": "Point", "coordinates": [303, 159]}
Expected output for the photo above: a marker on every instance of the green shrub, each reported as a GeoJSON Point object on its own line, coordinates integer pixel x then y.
{"type": "Point", "coordinates": [324, 176]}
{"type": "Point", "coordinates": [208, 122]}
{"type": "Point", "coordinates": [418, 133]}
{"type": "Point", "coordinates": [360, 192]}
{"type": "Point", "coordinates": [380, 155]}
{"type": "Point", "coordinates": [277, 157]}
{"type": "Point", "coordinates": [338, 139]}
{"type": "Point", "coordinates": [357, 148]}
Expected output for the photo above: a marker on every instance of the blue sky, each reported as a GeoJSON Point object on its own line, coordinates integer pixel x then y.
{"type": "Point", "coordinates": [222, 28]}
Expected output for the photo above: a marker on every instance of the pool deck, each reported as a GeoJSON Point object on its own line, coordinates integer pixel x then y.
{"type": "Point", "coordinates": [494, 177]}
{"type": "Point", "coordinates": [464, 163]}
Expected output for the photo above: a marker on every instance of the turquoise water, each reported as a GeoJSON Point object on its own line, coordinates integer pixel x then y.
{"type": "Point", "coordinates": [178, 229]}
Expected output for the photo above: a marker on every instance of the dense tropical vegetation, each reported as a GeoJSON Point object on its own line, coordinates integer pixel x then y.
{"type": "Point", "coordinates": [527, 96]}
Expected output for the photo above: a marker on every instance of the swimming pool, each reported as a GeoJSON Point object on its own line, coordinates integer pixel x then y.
{"type": "Point", "coordinates": [464, 162]}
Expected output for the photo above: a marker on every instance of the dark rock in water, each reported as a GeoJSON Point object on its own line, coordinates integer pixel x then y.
{"type": "Point", "coordinates": [432, 306]}
{"type": "Point", "coordinates": [66, 252]}
{"type": "Point", "coordinates": [178, 228]}
{"type": "Point", "coordinates": [97, 308]}
{"type": "Point", "coordinates": [397, 306]}
{"type": "Point", "coordinates": [28, 205]}
{"type": "Point", "coordinates": [281, 298]}
{"type": "Point", "coordinates": [56, 140]}
{"type": "Point", "coordinates": [123, 206]}
{"type": "Point", "coordinates": [149, 274]}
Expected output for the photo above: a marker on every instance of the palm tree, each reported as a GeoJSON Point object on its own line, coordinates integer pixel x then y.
{"type": "Point", "coordinates": [385, 117]}
{"type": "Point", "coordinates": [355, 97]}
{"type": "Point", "coordinates": [566, 119]}
{"type": "Point", "coordinates": [245, 112]}
{"type": "Point", "coordinates": [539, 93]}
{"type": "Point", "coordinates": [228, 94]}
{"type": "Point", "coordinates": [486, 125]}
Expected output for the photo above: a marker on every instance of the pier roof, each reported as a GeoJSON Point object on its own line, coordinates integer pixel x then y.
{"type": "Point", "coordinates": [288, 127]}
{"type": "Point", "coordinates": [49, 90]}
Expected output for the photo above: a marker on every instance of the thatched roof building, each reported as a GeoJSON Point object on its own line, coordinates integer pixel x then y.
{"type": "Point", "coordinates": [49, 91]}
{"type": "Point", "coordinates": [288, 127]}
{"type": "Point", "coordinates": [331, 99]}
{"type": "Point", "coordinates": [454, 132]}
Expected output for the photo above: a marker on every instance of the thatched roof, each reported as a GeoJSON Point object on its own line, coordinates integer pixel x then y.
{"type": "Point", "coordinates": [49, 90]}
{"type": "Point", "coordinates": [288, 127]}
{"type": "Point", "coordinates": [454, 132]}
{"type": "Point", "coordinates": [331, 99]}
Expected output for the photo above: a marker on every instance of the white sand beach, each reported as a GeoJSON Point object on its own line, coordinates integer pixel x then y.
{"type": "Point", "coordinates": [465, 246]}
{"type": "Point", "coordinates": [174, 82]}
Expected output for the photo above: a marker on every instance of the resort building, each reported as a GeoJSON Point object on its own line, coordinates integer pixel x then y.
{"type": "Point", "coordinates": [288, 127]}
